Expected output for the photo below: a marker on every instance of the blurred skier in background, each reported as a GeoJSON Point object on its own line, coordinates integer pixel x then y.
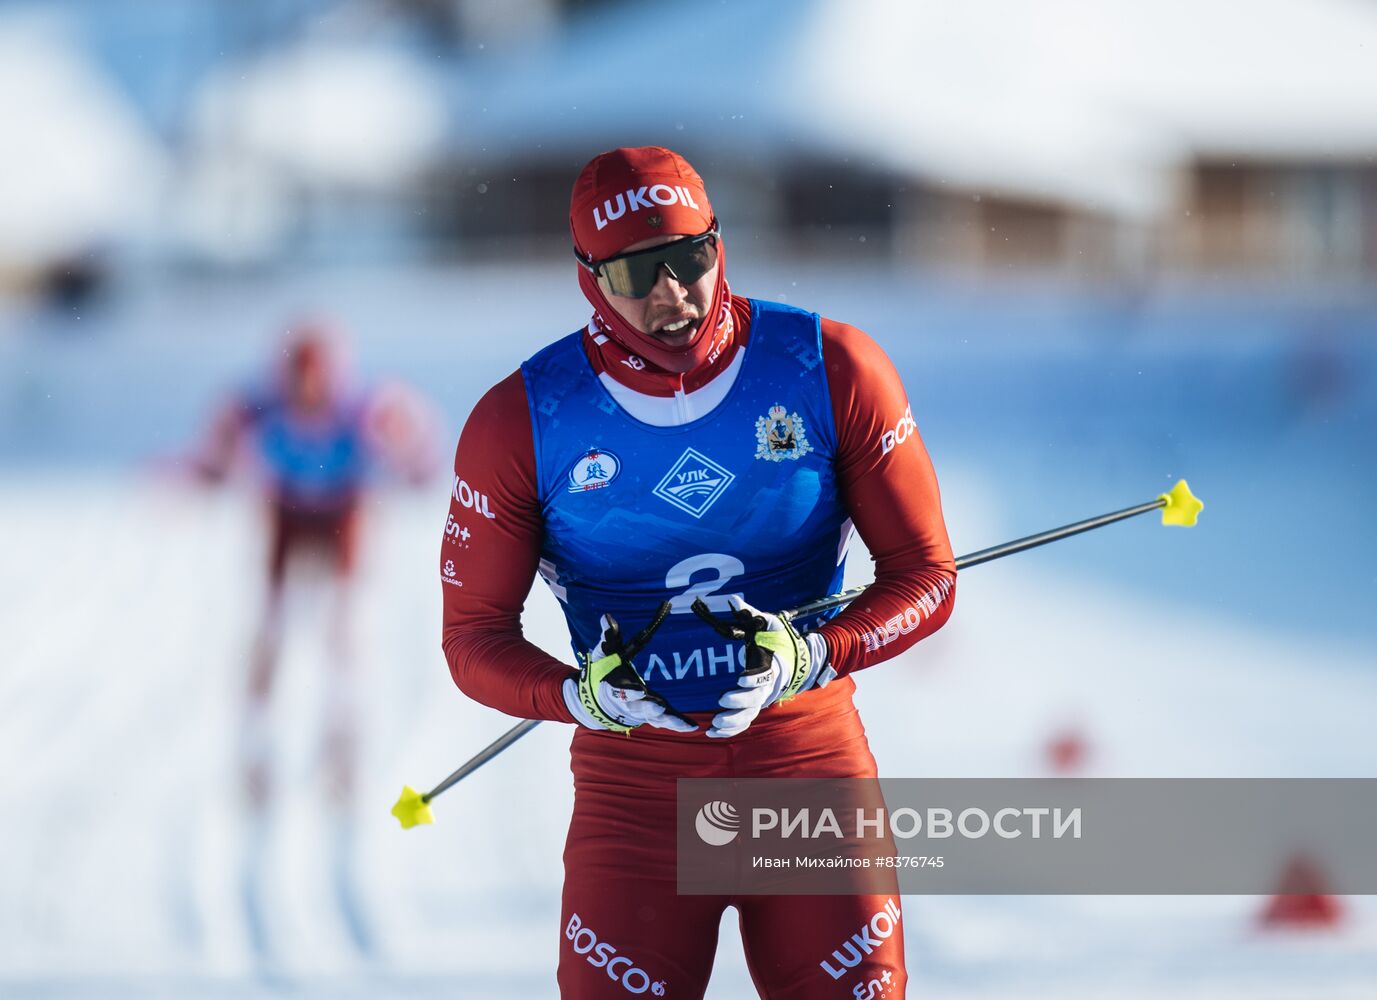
{"type": "Point", "coordinates": [315, 443]}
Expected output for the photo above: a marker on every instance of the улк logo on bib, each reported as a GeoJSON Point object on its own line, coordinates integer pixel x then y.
{"type": "Point", "coordinates": [693, 483]}
{"type": "Point", "coordinates": [593, 471]}
{"type": "Point", "coordinates": [779, 435]}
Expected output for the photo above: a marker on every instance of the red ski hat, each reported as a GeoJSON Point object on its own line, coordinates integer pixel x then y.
{"type": "Point", "coordinates": [630, 194]}
{"type": "Point", "coordinates": [311, 350]}
{"type": "Point", "coordinates": [313, 368]}
{"type": "Point", "coordinates": [627, 195]}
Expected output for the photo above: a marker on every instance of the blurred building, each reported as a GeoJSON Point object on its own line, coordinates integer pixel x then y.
{"type": "Point", "coordinates": [1305, 218]}
{"type": "Point", "coordinates": [1083, 140]}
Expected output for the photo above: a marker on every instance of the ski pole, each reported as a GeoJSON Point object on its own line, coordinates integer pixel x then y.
{"type": "Point", "coordinates": [1179, 508]}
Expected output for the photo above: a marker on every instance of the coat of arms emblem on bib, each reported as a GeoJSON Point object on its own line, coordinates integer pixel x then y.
{"type": "Point", "coordinates": [779, 435]}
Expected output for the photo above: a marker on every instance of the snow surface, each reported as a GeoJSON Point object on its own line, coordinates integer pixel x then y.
{"type": "Point", "coordinates": [125, 852]}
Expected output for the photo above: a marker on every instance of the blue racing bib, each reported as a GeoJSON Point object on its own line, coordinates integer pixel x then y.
{"type": "Point", "coordinates": [314, 463]}
{"type": "Point", "coordinates": [741, 501]}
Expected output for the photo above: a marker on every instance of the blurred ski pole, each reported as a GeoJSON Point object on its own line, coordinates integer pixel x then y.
{"type": "Point", "coordinates": [1179, 508]}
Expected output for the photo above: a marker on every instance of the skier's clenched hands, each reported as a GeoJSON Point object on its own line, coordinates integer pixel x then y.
{"type": "Point", "coordinates": [780, 663]}
{"type": "Point", "coordinates": [608, 693]}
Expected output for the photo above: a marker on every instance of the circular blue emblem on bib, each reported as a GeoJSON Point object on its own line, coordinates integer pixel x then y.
{"type": "Point", "coordinates": [593, 471]}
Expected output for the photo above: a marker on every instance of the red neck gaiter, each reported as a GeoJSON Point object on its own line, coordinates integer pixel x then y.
{"type": "Point", "coordinates": [627, 195]}
{"type": "Point", "coordinates": [608, 355]}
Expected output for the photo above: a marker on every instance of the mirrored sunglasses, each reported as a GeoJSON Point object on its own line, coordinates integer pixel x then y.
{"type": "Point", "coordinates": [633, 275]}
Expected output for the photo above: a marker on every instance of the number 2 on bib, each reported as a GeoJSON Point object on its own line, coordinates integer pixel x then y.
{"type": "Point", "coordinates": [723, 568]}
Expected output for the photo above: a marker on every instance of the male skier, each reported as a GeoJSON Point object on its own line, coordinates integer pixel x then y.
{"type": "Point", "coordinates": [689, 445]}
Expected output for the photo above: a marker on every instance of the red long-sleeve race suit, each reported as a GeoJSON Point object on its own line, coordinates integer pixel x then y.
{"type": "Point", "coordinates": [619, 857]}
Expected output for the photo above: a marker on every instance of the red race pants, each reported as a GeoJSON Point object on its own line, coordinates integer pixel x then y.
{"type": "Point", "coordinates": [624, 929]}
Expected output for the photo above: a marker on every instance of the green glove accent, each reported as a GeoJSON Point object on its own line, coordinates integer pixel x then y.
{"type": "Point", "coordinates": [790, 647]}
{"type": "Point", "coordinates": [616, 669]}
{"type": "Point", "coordinates": [594, 672]}
{"type": "Point", "coordinates": [763, 644]}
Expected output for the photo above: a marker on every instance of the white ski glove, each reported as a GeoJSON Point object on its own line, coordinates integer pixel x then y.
{"type": "Point", "coordinates": [780, 663]}
{"type": "Point", "coordinates": [608, 692]}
